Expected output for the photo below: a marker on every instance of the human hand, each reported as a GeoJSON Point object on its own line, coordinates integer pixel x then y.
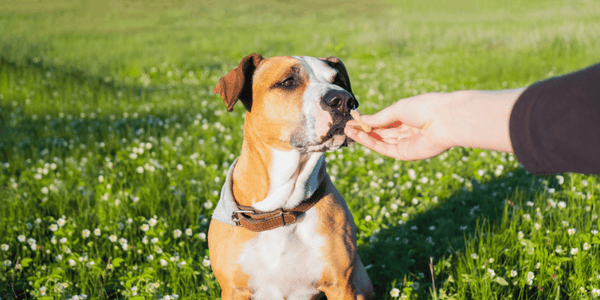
{"type": "Point", "coordinates": [410, 129]}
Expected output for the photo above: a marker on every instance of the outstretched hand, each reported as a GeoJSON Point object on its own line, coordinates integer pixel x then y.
{"type": "Point", "coordinates": [406, 130]}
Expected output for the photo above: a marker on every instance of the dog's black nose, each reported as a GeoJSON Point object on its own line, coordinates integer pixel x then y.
{"type": "Point", "coordinates": [340, 101]}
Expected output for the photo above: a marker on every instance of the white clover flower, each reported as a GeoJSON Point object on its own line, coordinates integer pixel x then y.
{"type": "Point", "coordinates": [571, 231]}
{"type": "Point", "coordinates": [53, 240]}
{"type": "Point", "coordinates": [412, 174]}
{"type": "Point", "coordinates": [58, 257]}
{"type": "Point", "coordinates": [144, 227]}
{"type": "Point", "coordinates": [530, 276]}
{"type": "Point", "coordinates": [53, 227]}
{"type": "Point", "coordinates": [491, 273]}
{"type": "Point", "coordinates": [177, 233]}
{"type": "Point", "coordinates": [4, 247]}
{"type": "Point", "coordinates": [595, 292]}
{"type": "Point", "coordinates": [562, 204]}
{"type": "Point", "coordinates": [154, 240]}
{"type": "Point", "coordinates": [520, 235]}
{"type": "Point", "coordinates": [208, 205]}
{"type": "Point", "coordinates": [112, 238]}
{"type": "Point", "coordinates": [415, 285]}
{"type": "Point", "coordinates": [85, 233]}
{"type": "Point", "coordinates": [122, 241]}
{"type": "Point", "coordinates": [474, 256]}
{"type": "Point", "coordinates": [67, 250]}
{"type": "Point", "coordinates": [368, 218]}
{"type": "Point", "coordinates": [21, 238]}
{"type": "Point", "coordinates": [529, 203]}
{"type": "Point", "coordinates": [527, 217]}
{"type": "Point", "coordinates": [574, 251]}
{"type": "Point", "coordinates": [586, 246]}
{"type": "Point", "coordinates": [559, 249]}
{"type": "Point", "coordinates": [44, 190]}
{"type": "Point", "coordinates": [163, 262]}
{"type": "Point", "coordinates": [63, 240]}
{"type": "Point", "coordinates": [395, 292]}
{"type": "Point", "coordinates": [537, 266]}
{"type": "Point", "coordinates": [152, 222]}
{"type": "Point", "coordinates": [188, 232]}
{"type": "Point", "coordinates": [513, 273]}
{"type": "Point", "coordinates": [202, 236]}
{"type": "Point", "coordinates": [594, 231]}
{"type": "Point", "coordinates": [415, 201]}
{"type": "Point", "coordinates": [158, 250]}
{"type": "Point", "coordinates": [150, 257]}
{"type": "Point", "coordinates": [72, 263]}
{"type": "Point", "coordinates": [97, 232]}
{"type": "Point", "coordinates": [560, 179]}
{"type": "Point", "coordinates": [140, 170]}
{"type": "Point", "coordinates": [206, 262]}
{"type": "Point", "coordinates": [537, 226]}
{"type": "Point", "coordinates": [7, 263]}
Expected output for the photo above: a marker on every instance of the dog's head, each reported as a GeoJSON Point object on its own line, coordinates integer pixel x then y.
{"type": "Point", "coordinates": [300, 103]}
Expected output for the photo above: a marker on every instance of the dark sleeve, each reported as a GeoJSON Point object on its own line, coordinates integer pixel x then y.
{"type": "Point", "coordinates": [555, 124]}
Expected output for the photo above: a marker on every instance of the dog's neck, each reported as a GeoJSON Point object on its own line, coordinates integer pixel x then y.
{"type": "Point", "coordinates": [267, 178]}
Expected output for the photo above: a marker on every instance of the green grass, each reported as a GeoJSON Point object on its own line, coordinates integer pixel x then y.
{"type": "Point", "coordinates": [108, 122]}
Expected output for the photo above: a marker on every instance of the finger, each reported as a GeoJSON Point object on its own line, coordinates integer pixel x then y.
{"type": "Point", "coordinates": [384, 117]}
{"type": "Point", "coordinates": [378, 146]}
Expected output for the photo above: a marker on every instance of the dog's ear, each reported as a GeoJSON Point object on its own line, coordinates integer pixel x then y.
{"type": "Point", "coordinates": [237, 84]}
{"type": "Point", "coordinates": [337, 64]}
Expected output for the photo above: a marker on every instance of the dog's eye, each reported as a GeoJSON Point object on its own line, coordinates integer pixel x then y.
{"type": "Point", "coordinates": [288, 82]}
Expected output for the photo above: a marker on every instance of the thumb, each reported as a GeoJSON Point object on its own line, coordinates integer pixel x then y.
{"type": "Point", "coordinates": [384, 117]}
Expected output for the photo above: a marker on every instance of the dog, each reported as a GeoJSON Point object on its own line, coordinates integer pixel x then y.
{"type": "Point", "coordinates": [281, 229]}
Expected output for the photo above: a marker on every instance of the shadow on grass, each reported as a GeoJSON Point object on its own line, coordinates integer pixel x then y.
{"type": "Point", "coordinates": [404, 251]}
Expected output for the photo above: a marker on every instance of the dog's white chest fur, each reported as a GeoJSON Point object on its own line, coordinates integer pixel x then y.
{"type": "Point", "coordinates": [285, 262]}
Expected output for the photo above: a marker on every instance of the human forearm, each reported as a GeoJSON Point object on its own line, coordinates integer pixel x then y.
{"type": "Point", "coordinates": [480, 119]}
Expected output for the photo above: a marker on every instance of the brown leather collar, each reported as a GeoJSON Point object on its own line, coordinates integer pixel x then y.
{"type": "Point", "coordinates": [256, 220]}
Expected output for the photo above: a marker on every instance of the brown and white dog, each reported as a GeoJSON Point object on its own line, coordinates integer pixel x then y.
{"type": "Point", "coordinates": [297, 108]}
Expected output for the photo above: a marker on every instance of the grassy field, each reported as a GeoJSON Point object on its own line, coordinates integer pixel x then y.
{"type": "Point", "coordinates": [113, 147]}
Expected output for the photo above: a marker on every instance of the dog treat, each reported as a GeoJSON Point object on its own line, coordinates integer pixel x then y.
{"type": "Point", "coordinates": [356, 115]}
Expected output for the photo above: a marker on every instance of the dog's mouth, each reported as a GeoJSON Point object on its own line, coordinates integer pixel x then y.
{"type": "Point", "coordinates": [333, 140]}
{"type": "Point", "coordinates": [337, 130]}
